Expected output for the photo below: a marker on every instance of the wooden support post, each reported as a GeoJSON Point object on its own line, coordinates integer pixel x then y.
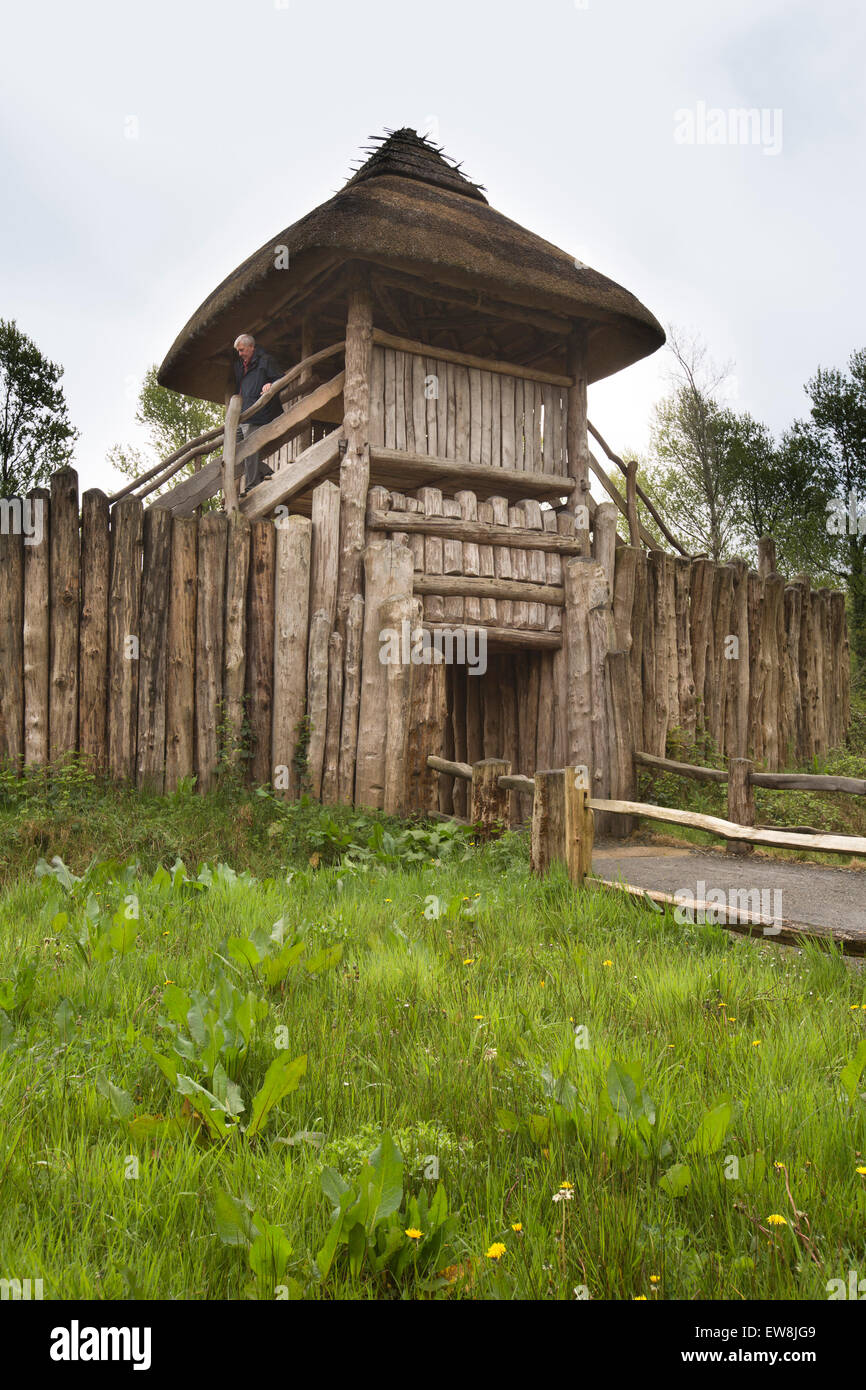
{"type": "Point", "coordinates": [490, 802]}
{"type": "Point", "coordinates": [388, 569]}
{"type": "Point", "coordinates": [37, 633]}
{"type": "Point", "coordinates": [180, 660]}
{"type": "Point", "coordinates": [562, 823]}
{"type": "Point", "coordinates": [65, 569]}
{"type": "Point", "coordinates": [93, 630]}
{"type": "Point", "coordinates": [291, 638]}
{"type": "Point", "coordinates": [124, 613]}
{"type": "Point", "coordinates": [766, 556]}
{"type": "Point", "coordinates": [155, 589]}
{"type": "Point", "coordinates": [235, 648]}
{"type": "Point", "coordinates": [741, 801]}
{"type": "Point", "coordinates": [351, 701]}
{"type": "Point", "coordinates": [11, 645]}
{"type": "Point", "coordinates": [212, 545]}
{"type": "Point", "coordinates": [394, 612]}
{"type": "Point", "coordinates": [578, 435]}
{"type": "Point", "coordinates": [234, 411]}
{"type": "Point", "coordinates": [622, 778]}
{"type": "Point", "coordinates": [354, 485]}
{"type": "Point", "coordinates": [260, 650]}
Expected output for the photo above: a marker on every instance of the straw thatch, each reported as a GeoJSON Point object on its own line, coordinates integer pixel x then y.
{"type": "Point", "coordinates": [409, 208]}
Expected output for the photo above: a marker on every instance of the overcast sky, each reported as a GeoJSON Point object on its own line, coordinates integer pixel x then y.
{"type": "Point", "coordinates": [147, 149]}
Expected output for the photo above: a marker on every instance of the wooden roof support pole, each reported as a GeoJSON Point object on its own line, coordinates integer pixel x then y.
{"type": "Point", "coordinates": [578, 434]}
{"type": "Point", "coordinates": [354, 475]}
{"type": "Point", "coordinates": [230, 482]}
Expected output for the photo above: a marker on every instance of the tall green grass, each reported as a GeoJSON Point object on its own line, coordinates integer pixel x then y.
{"type": "Point", "coordinates": [448, 1022]}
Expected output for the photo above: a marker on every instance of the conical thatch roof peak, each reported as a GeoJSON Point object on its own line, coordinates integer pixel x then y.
{"type": "Point", "coordinates": [410, 210]}
{"type": "Point", "coordinates": [412, 156]}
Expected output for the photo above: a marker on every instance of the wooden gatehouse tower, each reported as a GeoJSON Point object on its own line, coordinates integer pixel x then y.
{"type": "Point", "coordinates": [457, 349]}
{"type": "Point", "coordinates": [431, 466]}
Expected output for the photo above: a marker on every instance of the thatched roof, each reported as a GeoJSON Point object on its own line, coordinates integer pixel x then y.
{"type": "Point", "coordinates": [410, 208]}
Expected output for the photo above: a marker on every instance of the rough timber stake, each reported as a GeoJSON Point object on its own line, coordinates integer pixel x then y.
{"type": "Point", "coordinates": [741, 801]}
{"type": "Point", "coordinates": [562, 823]}
{"type": "Point", "coordinates": [490, 801]}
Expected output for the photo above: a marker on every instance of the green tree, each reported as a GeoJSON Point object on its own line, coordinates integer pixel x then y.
{"type": "Point", "coordinates": [780, 490]}
{"type": "Point", "coordinates": [171, 420]}
{"type": "Point", "coordinates": [35, 434]}
{"type": "Point", "coordinates": [691, 477]}
{"type": "Point", "coordinates": [838, 428]}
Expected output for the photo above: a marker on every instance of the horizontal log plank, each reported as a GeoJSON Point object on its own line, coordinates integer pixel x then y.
{"type": "Point", "coordinates": [463, 359]}
{"type": "Point", "coordinates": [466, 587]}
{"type": "Point", "coordinates": [516, 783]}
{"type": "Point", "coordinates": [472, 532]}
{"type": "Point", "coordinates": [697, 774]}
{"type": "Point", "coordinates": [461, 770]}
{"type": "Point", "coordinates": [807, 781]}
{"type": "Point", "coordinates": [397, 468]}
{"type": "Point", "coordinates": [506, 637]}
{"type": "Point", "coordinates": [786, 931]}
{"type": "Point", "coordinates": [298, 476]}
{"type": "Point", "coordinates": [778, 839]}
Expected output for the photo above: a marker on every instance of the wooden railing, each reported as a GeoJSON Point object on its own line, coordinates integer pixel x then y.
{"type": "Point", "coordinates": [563, 832]}
{"type": "Point", "coordinates": [212, 440]}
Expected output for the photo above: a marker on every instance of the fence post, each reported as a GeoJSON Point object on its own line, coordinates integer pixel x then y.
{"type": "Point", "coordinates": [230, 448]}
{"type": "Point", "coordinates": [490, 802]}
{"type": "Point", "coordinates": [562, 822]}
{"type": "Point", "coordinates": [741, 801]}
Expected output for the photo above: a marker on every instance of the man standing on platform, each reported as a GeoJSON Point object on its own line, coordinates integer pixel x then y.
{"type": "Point", "coordinates": [255, 372]}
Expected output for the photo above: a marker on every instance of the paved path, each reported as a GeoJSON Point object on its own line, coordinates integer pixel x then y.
{"type": "Point", "coordinates": [810, 893]}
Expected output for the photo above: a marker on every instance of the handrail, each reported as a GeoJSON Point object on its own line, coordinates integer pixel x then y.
{"type": "Point", "coordinates": [614, 458]}
{"type": "Point", "coordinates": [211, 440]}
{"type": "Point", "coordinates": [188, 494]}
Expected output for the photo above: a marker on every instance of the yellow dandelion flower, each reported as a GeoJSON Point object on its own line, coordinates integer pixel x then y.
{"type": "Point", "coordinates": [414, 1235]}
{"type": "Point", "coordinates": [655, 1278]}
{"type": "Point", "coordinates": [862, 1172]}
{"type": "Point", "coordinates": [607, 962]}
{"type": "Point", "coordinates": [732, 1020]}
{"type": "Point", "coordinates": [496, 1251]}
{"type": "Point", "coordinates": [389, 900]}
{"type": "Point", "coordinates": [469, 961]}
{"type": "Point", "coordinates": [169, 982]}
{"type": "Point", "coordinates": [517, 1226]}
{"type": "Point", "coordinates": [776, 1220]}
{"type": "Point", "coordinates": [543, 983]}
{"type": "Point", "coordinates": [566, 1187]}
{"type": "Point", "coordinates": [478, 1018]}
{"type": "Point", "coordinates": [778, 1165]}
{"type": "Point", "coordinates": [639, 1298]}
{"type": "Point", "coordinates": [756, 1043]}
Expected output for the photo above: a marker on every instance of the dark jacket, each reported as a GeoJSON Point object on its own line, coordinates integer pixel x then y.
{"type": "Point", "coordinates": [262, 369]}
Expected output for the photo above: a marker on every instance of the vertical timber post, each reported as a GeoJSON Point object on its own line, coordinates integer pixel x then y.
{"type": "Point", "coordinates": [741, 801]}
{"type": "Point", "coordinates": [354, 485]}
{"type": "Point", "coordinates": [578, 436]}
{"type": "Point", "coordinates": [562, 823]}
{"type": "Point", "coordinates": [490, 802]}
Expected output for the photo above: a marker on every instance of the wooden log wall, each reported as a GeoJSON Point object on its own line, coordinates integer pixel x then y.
{"type": "Point", "coordinates": [745, 664]}
{"type": "Point", "coordinates": [423, 405]}
{"type": "Point", "coordinates": [159, 646]}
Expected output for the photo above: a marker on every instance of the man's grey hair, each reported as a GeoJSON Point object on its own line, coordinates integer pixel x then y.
{"type": "Point", "coordinates": [245, 338]}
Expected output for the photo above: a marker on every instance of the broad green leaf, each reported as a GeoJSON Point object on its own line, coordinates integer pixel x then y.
{"type": "Point", "coordinates": [853, 1071]}
{"type": "Point", "coordinates": [176, 1003]}
{"type": "Point", "coordinates": [387, 1162]}
{"type": "Point", "coordinates": [357, 1243]}
{"type": "Point", "coordinates": [710, 1134]}
{"type": "Point", "coordinates": [508, 1121]}
{"type": "Point", "coordinates": [226, 1092]}
{"type": "Point", "coordinates": [325, 1257]}
{"type": "Point", "coordinates": [282, 1078]}
{"type": "Point", "coordinates": [676, 1180]}
{"type": "Point", "coordinates": [269, 1254]}
{"type": "Point", "coordinates": [167, 1065]}
{"type": "Point", "coordinates": [120, 1101]}
{"type": "Point", "coordinates": [234, 1220]}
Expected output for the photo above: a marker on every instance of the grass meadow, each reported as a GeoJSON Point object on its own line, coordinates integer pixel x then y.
{"type": "Point", "coordinates": [257, 1051]}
